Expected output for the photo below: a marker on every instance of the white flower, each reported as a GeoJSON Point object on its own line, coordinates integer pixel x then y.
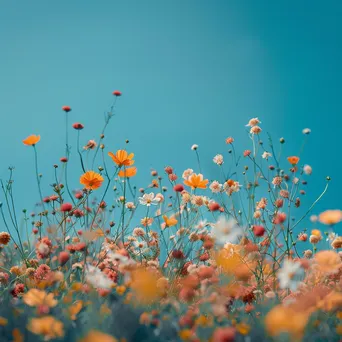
{"type": "Point", "coordinates": [307, 169]}
{"type": "Point", "coordinates": [226, 231]}
{"type": "Point", "coordinates": [332, 236]}
{"type": "Point", "coordinates": [194, 147]}
{"type": "Point", "coordinates": [253, 122]}
{"type": "Point", "coordinates": [96, 278]}
{"type": "Point", "coordinates": [187, 173]}
{"type": "Point", "coordinates": [149, 199]}
{"type": "Point", "coordinates": [306, 131]}
{"type": "Point", "coordinates": [215, 187]}
{"type": "Point", "coordinates": [218, 159]}
{"type": "Point", "coordinates": [266, 155]}
{"type": "Point", "coordinates": [201, 224]}
{"type": "Point", "coordinates": [290, 275]}
{"type": "Point", "coordinates": [130, 205]}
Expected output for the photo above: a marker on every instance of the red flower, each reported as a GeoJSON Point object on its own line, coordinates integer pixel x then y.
{"type": "Point", "coordinates": [178, 187]}
{"type": "Point", "coordinates": [66, 108]}
{"type": "Point", "coordinates": [66, 207]}
{"type": "Point", "coordinates": [258, 230]}
{"type": "Point", "coordinates": [64, 159]}
{"type": "Point", "coordinates": [77, 126]}
{"type": "Point", "coordinates": [117, 93]}
{"type": "Point", "coordinates": [63, 258]}
{"type": "Point", "coordinates": [213, 206]}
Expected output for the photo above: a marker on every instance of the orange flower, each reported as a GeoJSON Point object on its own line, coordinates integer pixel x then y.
{"type": "Point", "coordinates": [328, 261]}
{"type": "Point", "coordinates": [170, 221]}
{"type": "Point", "coordinates": [196, 181]}
{"type": "Point", "coordinates": [129, 172]}
{"type": "Point", "coordinates": [122, 158]}
{"type": "Point", "coordinates": [330, 217]}
{"type": "Point", "coordinates": [293, 160]}
{"type": "Point", "coordinates": [31, 140]}
{"type": "Point", "coordinates": [35, 297]}
{"type": "Point", "coordinates": [91, 180]}
{"type": "Point", "coordinates": [47, 326]}
{"type": "Point", "coordinates": [97, 336]}
{"type": "Point", "coordinates": [283, 319]}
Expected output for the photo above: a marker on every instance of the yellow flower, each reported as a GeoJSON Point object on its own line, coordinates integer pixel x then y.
{"type": "Point", "coordinates": [170, 221]}
{"type": "Point", "coordinates": [3, 321]}
{"type": "Point", "coordinates": [98, 336]}
{"type": "Point", "coordinates": [185, 334]}
{"type": "Point", "coordinates": [330, 217]}
{"type": "Point", "coordinates": [122, 158]}
{"type": "Point", "coordinates": [196, 181]}
{"type": "Point", "coordinates": [35, 297]}
{"type": "Point", "coordinates": [243, 328]}
{"type": "Point", "coordinates": [91, 180]}
{"type": "Point", "coordinates": [144, 286]}
{"type": "Point", "coordinates": [47, 326]}
{"type": "Point", "coordinates": [31, 140]}
{"type": "Point", "coordinates": [121, 290]}
{"type": "Point", "coordinates": [75, 309]}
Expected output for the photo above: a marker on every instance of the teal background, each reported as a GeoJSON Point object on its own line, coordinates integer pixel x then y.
{"type": "Point", "coordinates": [190, 72]}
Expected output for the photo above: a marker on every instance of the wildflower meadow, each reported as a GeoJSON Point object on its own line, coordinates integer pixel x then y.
{"type": "Point", "coordinates": [181, 258]}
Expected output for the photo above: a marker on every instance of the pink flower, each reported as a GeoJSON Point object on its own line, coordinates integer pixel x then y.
{"type": "Point", "coordinates": [66, 207]}
{"type": "Point", "coordinates": [178, 187]}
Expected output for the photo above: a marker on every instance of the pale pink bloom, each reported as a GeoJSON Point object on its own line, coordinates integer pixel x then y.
{"type": "Point", "coordinates": [130, 205]}
{"type": "Point", "coordinates": [277, 181]}
{"type": "Point", "coordinates": [306, 131]}
{"type": "Point", "coordinates": [187, 173]}
{"type": "Point", "coordinates": [255, 130]}
{"type": "Point", "coordinates": [253, 122]}
{"type": "Point", "coordinates": [138, 231]}
{"type": "Point", "coordinates": [194, 147]}
{"type": "Point", "coordinates": [307, 169]}
{"type": "Point", "coordinates": [266, 155]}
{"type": "Point", "coordinates": [218, 159]}
{"type": "Point", "coordinates": [215, 187]}
{"type": "Point", "coordinates": [90, 145]}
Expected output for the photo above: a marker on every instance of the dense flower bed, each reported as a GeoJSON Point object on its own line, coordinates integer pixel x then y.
{"type": "Point", "coordinates": [184, 258]}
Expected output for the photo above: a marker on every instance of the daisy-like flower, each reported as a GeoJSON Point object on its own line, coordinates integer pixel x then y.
{"type": "Point", "coordinates": [255, 130]}
{"type": "Point", "coordinates": [196, 181]}
{"type": "Point", "coordinates": [149, 199]}
{"type": "Point", "coordinates": [128, 172]}
{"type": "Point", "coordinates": [218, 159]}
{"type": "Point", "coordinates": [122, 158]}
{"type": "Point", "coordinates": [194, 147]}
{"type": "Point", "coordinates": [253, 122]}
{"type": "Point", "coordinates": [306, 131]}
{"type": "Point", "coordinates": [91, 180]}
{"type": "Point", "coordinates": [215, 187]}
{"type": "Point", "coordinates": [96, 278]}
{"type": "Point", "coordinates": [225, 231]}
{"type": "Point", "coordinates": [290, 275]}
{"type": "Point", "coordinates": [266, 155]}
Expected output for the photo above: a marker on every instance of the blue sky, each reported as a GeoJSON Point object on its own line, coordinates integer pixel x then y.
{"type": "Point", "coordinates": [190, 72]}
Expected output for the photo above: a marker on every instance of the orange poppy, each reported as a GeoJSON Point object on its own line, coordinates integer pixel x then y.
{"type": "Point", "coordinates": [293, 160]}
{"type": "Point", "coordinates": [128, 172]}
{"type": "Point", "coordinates": [122, 158]}
{"type": "Point", "coordinates": [31, 140]}
{"type": "Point", "coordinates": [196, 181]}
{"type": "Point", "coordinates": [170, 221]}
{"type": "Point", "coordinates": [91, 180]}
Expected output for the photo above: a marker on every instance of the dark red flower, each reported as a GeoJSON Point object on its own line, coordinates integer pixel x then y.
{"type": "Point", "coordinates": [178, 187]}
{"type": "Point", "coordinates": [77, 125]}
{"type": "Point", "coordinates": [258, 230]}
{"type": "Point", "coordinates": [117, 93]}
{"type": "Point", "coordinates": [64, 159]}
{"type": "Point", "coordinates": [66, 108]}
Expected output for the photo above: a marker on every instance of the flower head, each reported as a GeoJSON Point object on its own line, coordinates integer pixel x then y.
{"type": "Point", "coordinates": [122, 158]}
{"type": "Point", "coordinates": [290, 275]}
{"type": "Point", "coordinates": [253, 122]}
{"type": "Point", "coordinates": [196, 181]}
{"type": "Point", "coordinates": [128, 172]}
{"type": "Point", "coordinates": [117, 93]}
{"type": "Point", "coordinates": [31, 140]}
{"type": "Point", "coordinates": [225, 231]}
{"type": "Point", "coordinates": [91, 180]}
{"type": "Point", "coordinates": [293, 160]}
{"type": "Point", "coordinates": [330, 217]}
{"type": "Point", "coordinates": [66, 108]}
{"type": "Point", "coordinates": [149, 199]}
